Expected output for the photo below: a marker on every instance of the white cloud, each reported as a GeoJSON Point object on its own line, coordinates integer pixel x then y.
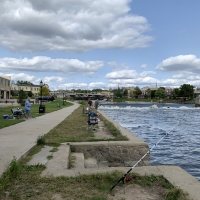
{"type": "Point", "coordinates": [146, 73]}
{"type": "Point", "coordinates": [112, 64]}
{"type": "Point", "coordinates": [123, 74]}
{"type": "Point", "coordinates": [97, 85]}
{"type": "Point", "coordinates": [20, 76]}
{"type": "Point", "coordinates": [128, 74]}
{"type": "Point", "coordinates": [73, 25]}
{"type": "Point", "coordinates": [180, 63]}
{"type": "Point", "coordinates": [47, 64]}
{"type": "Point", "coordinates": [143, 66]}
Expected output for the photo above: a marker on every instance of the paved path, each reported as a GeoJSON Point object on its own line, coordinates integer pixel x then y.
{"type": "Point", "coordinates": [17, 140]}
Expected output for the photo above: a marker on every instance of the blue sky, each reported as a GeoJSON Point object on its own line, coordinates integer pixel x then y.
{"type": "Point", "coordinates": [91, 44]}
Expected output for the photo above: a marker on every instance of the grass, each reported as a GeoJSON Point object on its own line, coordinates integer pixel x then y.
{"type": "Point", "coordinates": [74, 129]}
{"type": "Point", "coordinates": [21, 182]}
{"type": "Point", "coordinates": [24, 182]}
{"type": "Point", "coordinates": [49, 107]}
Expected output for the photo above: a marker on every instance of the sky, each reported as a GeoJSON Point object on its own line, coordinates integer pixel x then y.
{"type": "Point", "coordinates": [90, 44]}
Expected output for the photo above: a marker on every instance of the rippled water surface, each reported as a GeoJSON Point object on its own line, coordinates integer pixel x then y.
{"type": "Point", "coordinates": [181, 147]}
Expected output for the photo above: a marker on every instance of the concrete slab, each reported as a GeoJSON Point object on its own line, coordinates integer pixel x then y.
{"type": "Point", "coordinates": [60, 161]}
{"type": "Point", "coordinates": [91, 163]}
{"type": "Point", "coordinates": [79, 160]}
{"type": "Point", "coordinates": [41, 157]}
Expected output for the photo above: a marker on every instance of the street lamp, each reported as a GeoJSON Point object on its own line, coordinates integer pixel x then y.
{"type": "Point", "coordinates": [63, 97]}
{"type": "Point", "coordinates": [41, 84]}
{"type": "Point", "coordinates": [41, 107]}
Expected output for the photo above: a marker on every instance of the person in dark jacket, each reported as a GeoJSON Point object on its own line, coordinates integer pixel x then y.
{"type": "Point", "coordinates": [89, 103]}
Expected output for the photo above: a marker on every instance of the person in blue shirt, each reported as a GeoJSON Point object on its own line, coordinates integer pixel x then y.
{"type": "Point", "coordinates": [92, 113]}
{"type": "Point", "coordinates": [28, 107]}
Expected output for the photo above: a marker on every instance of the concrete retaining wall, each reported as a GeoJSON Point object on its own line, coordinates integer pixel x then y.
{"type": "Point", "coordinates": [116, 154]}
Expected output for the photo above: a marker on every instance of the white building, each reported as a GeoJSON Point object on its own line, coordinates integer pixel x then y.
{"type": "Point", "coordinates": [5, 87]}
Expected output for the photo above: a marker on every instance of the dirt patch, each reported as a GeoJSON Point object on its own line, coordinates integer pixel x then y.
{"type": "Point", "coordinates": [133, 191]}
{"type": "Point", "coordinates": [102, 132]}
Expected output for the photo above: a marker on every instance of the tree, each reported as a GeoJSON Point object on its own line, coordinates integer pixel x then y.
{"type": "Point", "coordinates": [153, 94]}
{"type": "Point", "coordinates": [24, 82]}
{"type": "Point", "coordinates": [45, 92]}
{"type": "Point", "coordinates": [160, 93]}
{"type": "Point", "coordinates": [187, 90]}
{"type": "Point", "coordinates": [148, 92]}
{"type": "Point", "coordinates": [30, 94]}
{"type": "Point", "coordinates": [21, 98]}
{"type": "Point", "coordinates": [125, 92]}
{"type": "Point", "coordinates": [137, 92]}
{"type": "Point", "coordinates": [118, 93]}
{"type": "Point", "coordinates": [175, 93]}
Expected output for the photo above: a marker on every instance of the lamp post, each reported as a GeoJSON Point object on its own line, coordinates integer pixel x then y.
{"type": "Point", "coordinates": [41, 84]}
{"type": "Point", "coordinates": [63, 97]}
{"type": "Point", "coordinates": [41, 107]}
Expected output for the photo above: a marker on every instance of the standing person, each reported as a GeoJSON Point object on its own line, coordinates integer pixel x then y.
{"type": "Point", "coordinates": [89, 103]}
{"type": "Point", "coordinates": [96, 104]}
{"type": "Point", "coordinates": [28, 107]}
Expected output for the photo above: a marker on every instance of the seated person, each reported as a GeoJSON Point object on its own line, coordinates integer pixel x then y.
{"type": "Point", "coordinates": [92, 113]}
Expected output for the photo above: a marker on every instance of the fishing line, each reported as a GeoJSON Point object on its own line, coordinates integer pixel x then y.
{"type": "Point", "coordinates": [166, 134]}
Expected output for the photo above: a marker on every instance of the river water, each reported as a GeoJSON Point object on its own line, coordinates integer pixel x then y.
{"type": "Point", "coordinates": [177, 124]}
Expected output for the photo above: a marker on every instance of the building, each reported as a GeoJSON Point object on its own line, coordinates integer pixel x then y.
{"type": "Point", "coordinates": [26, 88]}
{"type": "Point", "coordinates": [5, 87]}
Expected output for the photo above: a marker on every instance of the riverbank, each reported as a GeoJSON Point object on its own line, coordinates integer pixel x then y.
{"type": "Point", "coordinates": [27, 182]}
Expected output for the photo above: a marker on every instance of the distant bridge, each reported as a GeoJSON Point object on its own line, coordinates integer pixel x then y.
{"type": "Point", "coordinates": [81, 96]}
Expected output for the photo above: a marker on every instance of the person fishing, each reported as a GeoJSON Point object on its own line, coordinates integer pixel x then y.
{"type": "Point", "coordinates": [96, 104]}
{"type": "Point", "coordinates": [89, 103]}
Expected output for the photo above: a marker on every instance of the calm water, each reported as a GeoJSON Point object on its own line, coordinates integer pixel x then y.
{"type": "Point", "coordinates": [181, 147]}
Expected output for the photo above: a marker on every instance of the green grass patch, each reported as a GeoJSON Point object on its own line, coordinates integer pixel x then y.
{"type": "Point", "coordinates": [49, 107]}
{"type": "Point", "coordinates": [75, 129]}
{"type": "Point", "coordinates": [24, 182]}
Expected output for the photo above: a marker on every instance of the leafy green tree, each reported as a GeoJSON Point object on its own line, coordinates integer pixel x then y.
{"type": "Point", "coordinates": [118, 93]}
{"type": "Point", "coordinates": [175, 93]}
{"type": "Point", "coordinates": [45, 92]}
{"type": "Point", "coordinates": [125, 92]}
{"type": "Point", "coordinates": [160, 93]}
{"type": "Point", "coordinates": [21, 98]}
{"type": "Point", "coordinates": [24, 82]}
{"type": "Point", "coordinates": [30, 94]}
{"type": "Point", "coordinates": [187, 90]}
{"type": "Point", "coordinates": [148, 92]}
{"type": "Point", "coordinates": [153, 94]}
{"type": "Point", "coordinates": [137, 92]}
{"type": "Point", "coordinates": [12, 93]}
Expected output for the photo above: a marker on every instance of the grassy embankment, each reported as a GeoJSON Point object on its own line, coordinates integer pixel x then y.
{"type": "Point", "coordinates": [24, 182]}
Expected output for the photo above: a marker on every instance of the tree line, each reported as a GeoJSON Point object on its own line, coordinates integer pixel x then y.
{"type": "Point", "coordinates": [184, 91]}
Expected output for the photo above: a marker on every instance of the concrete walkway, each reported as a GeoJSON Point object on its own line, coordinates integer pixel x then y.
{"type": "Point", "coordinates": [17, 140]}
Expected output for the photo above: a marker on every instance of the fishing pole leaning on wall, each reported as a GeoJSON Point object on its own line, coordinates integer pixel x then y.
{"type": "Point", "coordinates": [124, 177]}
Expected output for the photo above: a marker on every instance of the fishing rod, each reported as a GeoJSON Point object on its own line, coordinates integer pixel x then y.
{"type": "Point", "coordinates": [122, 179]}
